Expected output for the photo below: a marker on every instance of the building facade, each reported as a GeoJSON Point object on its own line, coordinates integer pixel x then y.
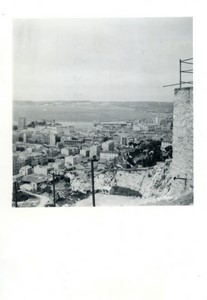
{"type": "Point", "coordinates": [108, 146]}
{"type": "Point", "coordinates": [108, 155]}
{"type": "Point", "coordinates": [21, 123]}
{"type": "Point", "coordinates": [95, 151]}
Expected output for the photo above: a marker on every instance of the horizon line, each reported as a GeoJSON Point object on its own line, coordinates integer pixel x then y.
{"type": "Point", "coordinates": [90, 100]}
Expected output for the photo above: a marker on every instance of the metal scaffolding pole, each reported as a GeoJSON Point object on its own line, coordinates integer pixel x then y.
{"type": "Point", "coordinates": [180, 62]}
{"type": "Point", "coordinates": [188, 61]}
{"type": "Point", "coordinates": [92, 179]}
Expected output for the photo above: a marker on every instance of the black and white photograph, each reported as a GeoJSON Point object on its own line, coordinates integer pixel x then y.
{"type": "Point", "coordinates": [102, 112]}
{"type": "Point", "coordinates": [103, 138]}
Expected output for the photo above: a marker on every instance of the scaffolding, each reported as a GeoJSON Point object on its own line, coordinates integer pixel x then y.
{"type": "Point", "coordinates": [182, 72]}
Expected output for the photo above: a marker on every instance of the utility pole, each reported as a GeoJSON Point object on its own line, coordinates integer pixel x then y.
{"type": "Point", "coordinates": [92, 179]}
{"type": "Point", "coordinates": [15, 193]}
{"type": "Point", "coordinates": [53, 181]}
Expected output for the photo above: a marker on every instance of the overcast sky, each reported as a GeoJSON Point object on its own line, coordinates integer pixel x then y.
{"type": "Point", "coordinates": [98, 59]}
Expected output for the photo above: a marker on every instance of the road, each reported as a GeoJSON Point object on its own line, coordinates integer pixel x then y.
{"type": "Point", "coordinates": [43, 199]}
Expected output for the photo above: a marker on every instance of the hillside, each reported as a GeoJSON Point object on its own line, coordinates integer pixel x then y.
{"type": "Point", "coordinates": [154, 184]}
{"type": "Point", "coordinates": [87, 111]}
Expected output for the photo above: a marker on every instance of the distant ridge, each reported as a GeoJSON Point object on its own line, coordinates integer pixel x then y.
{"type": "Point", "coordinates": [87, 101]}
{"type": "Point", "coordinates": [88, 111]}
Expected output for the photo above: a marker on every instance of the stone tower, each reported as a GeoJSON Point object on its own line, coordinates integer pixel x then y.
{"type": "Point", "coordinates": [182, 163]}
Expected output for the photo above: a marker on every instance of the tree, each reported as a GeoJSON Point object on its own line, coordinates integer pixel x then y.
{"type": "Point", "coordinates": [157, 155]}
{"type": "Point", "coordinates": [130, 161]}
{"type": "Point", "coordinates": [169, 151]}
{"type": "Point", "coordinates": [50, 159]}
{"type": "Point", "coordinates": [20, 148]}
{"type": "Point", "coordinates": [48, 189]}
{"type": "Point", "coordinates": [57, 139]}
{"type": "Point", "coordinates": [32, 124]}
{"type": "Point", "coordinates": [67, 179]}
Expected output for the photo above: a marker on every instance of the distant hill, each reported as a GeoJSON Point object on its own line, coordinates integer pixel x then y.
{"type": "Point", "coordinates": [88, 111]}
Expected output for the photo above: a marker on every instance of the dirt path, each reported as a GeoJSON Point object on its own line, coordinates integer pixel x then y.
{"type": "Point", "coordinates": [43, 199]}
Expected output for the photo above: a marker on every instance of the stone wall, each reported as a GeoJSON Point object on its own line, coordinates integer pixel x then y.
{"type": "Point", "coordinates": [150, 182]}
{"type": "Point", "coordinates": [182, 163]}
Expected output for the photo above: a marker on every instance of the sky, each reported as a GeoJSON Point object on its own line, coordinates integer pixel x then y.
{"type": "Point", "coordinates": [117, 59]}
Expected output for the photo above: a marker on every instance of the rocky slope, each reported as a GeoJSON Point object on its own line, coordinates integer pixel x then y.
{"type": "Point", "coordinates": [153, 183]}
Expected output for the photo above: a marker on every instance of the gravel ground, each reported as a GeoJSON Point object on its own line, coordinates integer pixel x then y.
{"type": "Point", "coordinates": [115, 200]}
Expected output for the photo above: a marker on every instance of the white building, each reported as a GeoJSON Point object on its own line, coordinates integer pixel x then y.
{"type": "Point", "coordinates": [21, 123]}
{"type": "Point", "coordinates": [65, 138]}
{"type": "Point", "coordinates": [85, 152]}
{"type": "Point", "coordinates": [157, 120]}
{"type": "Point", "coordinates": [52, 138]}
{"type": "Point", "coordinates": [36, 180]}
{"type": "Point", "coordinates": [66, 151]}
{"type": "Point", "coordinates": [123, 140]}
{"type": "Point", "coordinates": [63, 130]}
{"type": "Point", "coordinates": [59, 164]}
{"type": "Point", "coordinates": [137, 127]}
{"type": "Point", "coordinates": [108, 146]}
{"type": "Point", "coordinates": [30, 149]}
{"type": "Point", "coordinates": [24, 137]}
{"type": "Point", "coordinates": [42, 170]}
{"type": "Point", "coordinates": [25, 170]}
{"type": "Point", "coordinates": [70, 160]}
{"type": "Point", "coordinates": [108, 155]}
{"type": "Point", "coordinates": [140, 127]}
{"type": "Point", "coordinates": [95, 151]}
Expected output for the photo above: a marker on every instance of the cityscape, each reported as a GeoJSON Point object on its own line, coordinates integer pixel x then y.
{"type": "Point", "coordinates": [112, 152]}
{"type": "Point", "coordinates": [42, 148]}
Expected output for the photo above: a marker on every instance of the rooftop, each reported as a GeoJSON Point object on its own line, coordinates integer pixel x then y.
{"type": "Point", "coordinates": [36, 154]}
{"type": "Point", "coordinates": [37, 178]}
{"type": "Point", "coordinates": [25, 168]}
{"type": "Point", "coordinates": [108, 142]}
{"type": "Point", "coordinates": [112, 152]}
